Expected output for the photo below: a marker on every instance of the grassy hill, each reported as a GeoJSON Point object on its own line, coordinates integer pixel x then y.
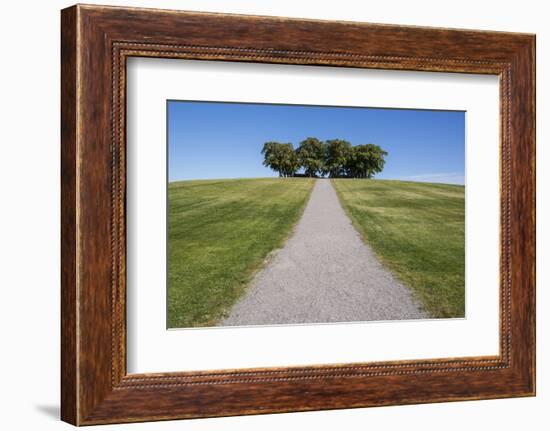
{"type": "Point", "coordinates": [417, 231]}
{"type": "Point", "coordinates": [219, 233]}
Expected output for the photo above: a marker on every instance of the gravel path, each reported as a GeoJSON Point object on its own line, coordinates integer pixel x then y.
{"type": "Point", "coordinates": [324, 273]}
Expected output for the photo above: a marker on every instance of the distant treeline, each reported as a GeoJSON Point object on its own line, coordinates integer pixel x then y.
{"type": "Point", "coordinates": [336, 158]}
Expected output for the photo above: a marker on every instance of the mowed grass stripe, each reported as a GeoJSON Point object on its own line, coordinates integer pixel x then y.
{"type": "Point", "coordinates": [219, 234]}
{"type": "Point", "coordinates": [417, 231]}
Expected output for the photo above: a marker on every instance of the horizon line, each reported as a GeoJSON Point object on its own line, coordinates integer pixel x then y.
{"type": "Point", "coordinates": [403, 180]}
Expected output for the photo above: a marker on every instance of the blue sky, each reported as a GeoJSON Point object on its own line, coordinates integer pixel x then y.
{"type": "Point", "coordinates": [224, 140]}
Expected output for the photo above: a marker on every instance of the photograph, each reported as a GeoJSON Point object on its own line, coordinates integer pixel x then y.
{"type": "Point", "coordinates": [283, 214]}
{"type": "Point", "coordinates": [282, 211]}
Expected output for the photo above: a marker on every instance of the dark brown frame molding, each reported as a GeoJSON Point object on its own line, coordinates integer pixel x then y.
{"type": "Point", "coordinates": [95, 43]}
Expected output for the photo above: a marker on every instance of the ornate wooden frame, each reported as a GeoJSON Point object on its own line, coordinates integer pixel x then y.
{"type": "Point", "coordinates": [95, 43]}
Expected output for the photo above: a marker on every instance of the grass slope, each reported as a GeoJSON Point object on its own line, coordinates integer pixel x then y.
{"type": "Point", "coordinates": [417, 230]}
{"type": "Point", "coordinates": [219, 233]}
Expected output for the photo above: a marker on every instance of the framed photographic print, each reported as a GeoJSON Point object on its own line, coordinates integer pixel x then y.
{"type": "Point", "coordinates": [264, 215]}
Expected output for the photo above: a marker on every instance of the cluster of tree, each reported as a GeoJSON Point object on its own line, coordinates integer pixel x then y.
{"type": "Point", "coordinates": [336, 158]}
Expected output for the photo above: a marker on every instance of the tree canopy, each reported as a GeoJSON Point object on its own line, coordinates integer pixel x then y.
{"type": "Point", "coordinates": [281, 158]}
{"type": "Point", "coordinates": [336, 158]}
{"type": "Point", "coordinates": [311, 156]}
{"type": "Point", "coordinates": [365, 160]}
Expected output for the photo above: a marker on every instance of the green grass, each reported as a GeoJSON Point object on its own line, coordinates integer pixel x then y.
{"type": "Point", "coordinates": [219, 234]}
{"type": "Point", "coordinates": [417, 230]}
